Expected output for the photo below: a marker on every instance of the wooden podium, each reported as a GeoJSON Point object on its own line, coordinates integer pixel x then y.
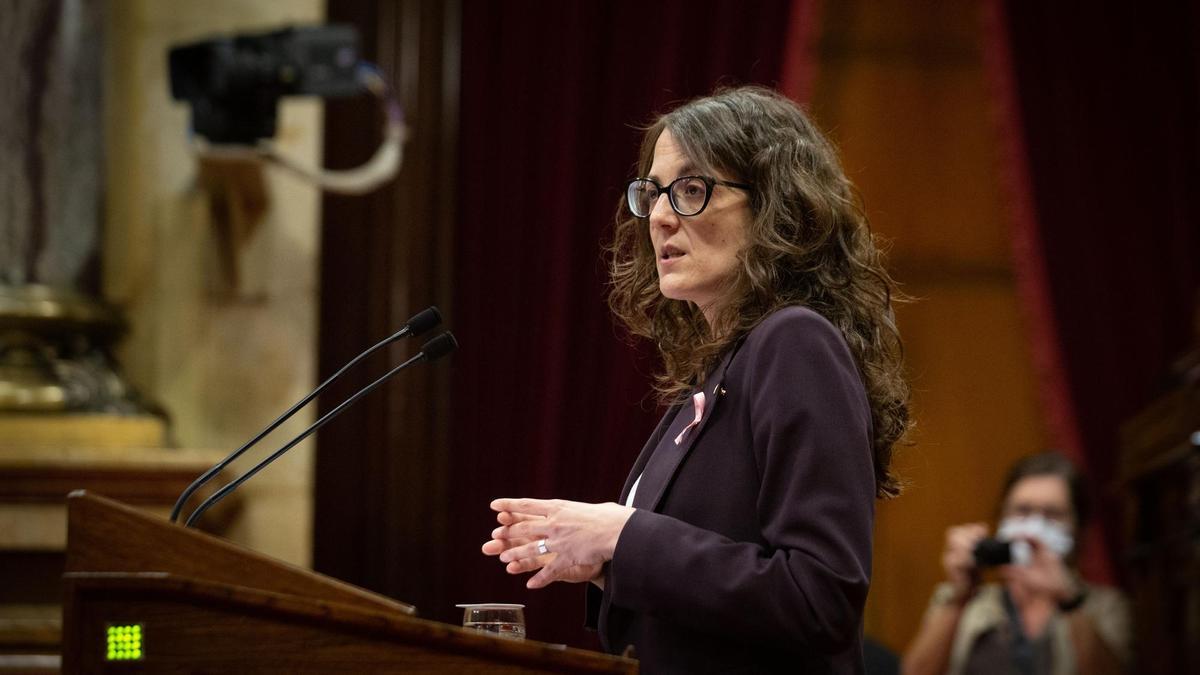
{"type": "Point", "coordinates": [144, 595]}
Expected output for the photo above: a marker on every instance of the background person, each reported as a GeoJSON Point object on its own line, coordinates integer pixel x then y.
{"type": "Point", "coordinates": [1042, 617]}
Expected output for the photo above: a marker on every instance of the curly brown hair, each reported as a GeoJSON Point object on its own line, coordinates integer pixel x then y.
{"type": "Point", "coordinates": [808, 243]}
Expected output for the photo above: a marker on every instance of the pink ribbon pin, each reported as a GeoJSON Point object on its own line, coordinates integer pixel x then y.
{"type": "Point", "coordinates": [698, 402]}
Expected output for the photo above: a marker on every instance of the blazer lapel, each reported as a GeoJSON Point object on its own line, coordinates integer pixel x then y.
{"type": "Point", "coordinates": [647, 451]}
{"type": "Point", "coordinates": [660, 466]}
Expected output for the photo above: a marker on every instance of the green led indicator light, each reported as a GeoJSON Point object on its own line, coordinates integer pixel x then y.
{"type": "Point", "coordinates": [123, 642]}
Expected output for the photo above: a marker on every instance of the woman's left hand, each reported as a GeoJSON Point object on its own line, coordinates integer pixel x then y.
{"type": "Point", "coordinates": [1046, 574]}
{"type": "Point", "coordinates": [579, 537]}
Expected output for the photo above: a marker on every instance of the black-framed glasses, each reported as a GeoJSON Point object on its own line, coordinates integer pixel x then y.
{"type": "Point", "coordinates": [688, 195]}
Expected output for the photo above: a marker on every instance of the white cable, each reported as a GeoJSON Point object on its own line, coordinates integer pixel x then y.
{"type": "Point", "coordinates": [381, 168]}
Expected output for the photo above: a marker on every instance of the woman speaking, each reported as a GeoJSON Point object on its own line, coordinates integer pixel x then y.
{"type": "Point", "coordinates": [742, 538]}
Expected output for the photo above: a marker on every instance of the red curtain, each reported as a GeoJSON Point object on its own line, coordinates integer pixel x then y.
{"type": "Point", "coordinates": [1100, 130]}
{"type": "Point", "coordinates": [550, 399]}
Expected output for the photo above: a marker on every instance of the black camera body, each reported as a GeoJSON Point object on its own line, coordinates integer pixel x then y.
{"type": "Point", "coordinates": [993, 553]}
{"type": "Point", "coordinates": [234, 83]}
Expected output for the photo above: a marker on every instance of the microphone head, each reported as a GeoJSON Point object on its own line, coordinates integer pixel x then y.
{"type": "Point", "coordinates": [423, 321]}
{"type": "Point", "coordinates": [439, 346]}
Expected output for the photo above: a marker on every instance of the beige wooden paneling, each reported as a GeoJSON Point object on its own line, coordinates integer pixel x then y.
{"type": "Point", "coordinates": [901, 88]}
{"type": "Point", "coordinates": [222, 364]}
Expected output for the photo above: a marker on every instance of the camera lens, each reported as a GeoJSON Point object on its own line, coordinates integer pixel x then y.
{"type": "Point", "coordinates": [993, 552]}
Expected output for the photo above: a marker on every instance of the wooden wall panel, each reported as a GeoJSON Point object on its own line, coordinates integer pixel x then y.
{"type": "Point", "coordinates": [901, 88]}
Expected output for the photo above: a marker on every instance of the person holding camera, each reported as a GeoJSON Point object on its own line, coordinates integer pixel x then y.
{"type": "Point", "coordinates": [1042, 618]}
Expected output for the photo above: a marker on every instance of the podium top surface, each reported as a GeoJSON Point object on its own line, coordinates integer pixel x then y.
{"type": "Point", "coordinates": [104, 535]}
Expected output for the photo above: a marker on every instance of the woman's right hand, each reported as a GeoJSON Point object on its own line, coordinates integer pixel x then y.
{"type": "Point", "coordinates": [573, 574]}
{"type": "Point", "coordinates": [958, 558]}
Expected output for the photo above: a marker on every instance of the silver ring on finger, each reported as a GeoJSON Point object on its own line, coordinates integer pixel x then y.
{"type": "Point", "coordinates": [542, 548]}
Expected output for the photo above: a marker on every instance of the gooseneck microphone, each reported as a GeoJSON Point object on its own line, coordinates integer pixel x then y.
{"type": "Point", "coordinates": [430, 351]}
{"type": "Point", "coordinates": [419, 323]}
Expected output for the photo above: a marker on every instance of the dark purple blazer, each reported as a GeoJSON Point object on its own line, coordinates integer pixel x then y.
{"type": "Point", "coordinates": [750, 550]}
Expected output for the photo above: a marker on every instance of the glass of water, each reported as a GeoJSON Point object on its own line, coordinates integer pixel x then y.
{"type": "Point", "coordinates": [502, 619]}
